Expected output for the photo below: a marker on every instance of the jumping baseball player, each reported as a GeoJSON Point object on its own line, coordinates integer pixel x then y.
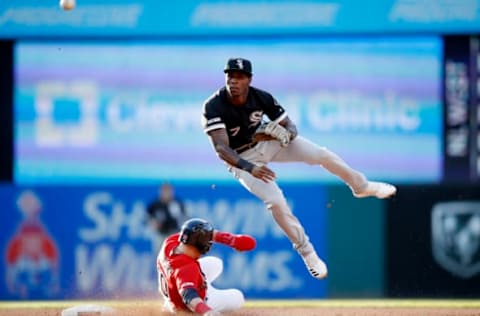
{"type": "Point", "coordinates": [185, 278]}
{"type": "Point", "coordinates": [233, 120]}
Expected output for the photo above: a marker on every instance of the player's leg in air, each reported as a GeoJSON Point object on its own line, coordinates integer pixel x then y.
{"type": "Point", "coordinates": [303, 150]}
{"type": "Point", "coordinates": [276, 202]}
{"type": "Point", "coordinates": [218, 299]}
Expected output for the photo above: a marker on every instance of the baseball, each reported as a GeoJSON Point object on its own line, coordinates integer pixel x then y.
{"type": "Point", "coordinates": [67, 4]}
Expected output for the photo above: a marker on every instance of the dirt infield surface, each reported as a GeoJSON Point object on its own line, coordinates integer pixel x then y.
{"type": "Point", "coordinates": [270, 311]}
{"type": "Point", "coordinates": [281, 308]}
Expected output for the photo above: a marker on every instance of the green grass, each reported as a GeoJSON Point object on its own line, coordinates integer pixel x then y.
{"type": "Point", "coordinates": [406, 303]}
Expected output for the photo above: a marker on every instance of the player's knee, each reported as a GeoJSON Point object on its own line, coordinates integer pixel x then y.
{"type": "Point", "coordinates": [212, 262]}
{"type": "Point", "coordinates": [276, 201]}
{"type": "Point", "coordinates": [278, 206]}
{"type": "Point", "coordinates": [211, 266]}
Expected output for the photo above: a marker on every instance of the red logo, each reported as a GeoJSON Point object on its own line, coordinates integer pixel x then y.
{"type": "Point", "coordinates": [32, 257]}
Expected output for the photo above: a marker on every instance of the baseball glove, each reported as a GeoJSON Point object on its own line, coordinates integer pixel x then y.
{"type": "Point", "coordinates": [271, 131]}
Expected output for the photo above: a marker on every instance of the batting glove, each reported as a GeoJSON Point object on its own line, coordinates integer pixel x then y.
{"type": "Point", "coordinates": [237, 242]}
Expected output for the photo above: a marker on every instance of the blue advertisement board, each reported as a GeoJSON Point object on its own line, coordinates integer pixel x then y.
{"type": "Point", "coordinates": [114, 18]}
{"type": "Point", "coordinates": [72, 242]}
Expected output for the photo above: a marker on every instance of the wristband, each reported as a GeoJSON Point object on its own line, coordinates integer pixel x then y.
{"type": "Point", "coordinates": [202, 308]}
{"type": "Point", "coordinates": [245, 165]}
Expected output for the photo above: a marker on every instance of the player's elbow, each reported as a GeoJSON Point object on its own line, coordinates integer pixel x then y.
{"type": "Point", "coordinates": [224, 155]}
{"type": "Point", "coordinates": [220, 149]}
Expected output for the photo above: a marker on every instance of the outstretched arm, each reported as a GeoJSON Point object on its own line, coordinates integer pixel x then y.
{"type": "Point", "coordinates": [237, 242]}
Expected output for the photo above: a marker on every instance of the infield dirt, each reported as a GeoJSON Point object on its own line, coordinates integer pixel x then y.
{"type": "Point", "coordinates": [269, 311]}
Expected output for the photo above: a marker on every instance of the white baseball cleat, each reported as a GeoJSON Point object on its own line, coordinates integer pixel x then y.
{"type": "Point", "coordinates": [315, 265]}
{"type": "Point", "coordinates": [380, 190]}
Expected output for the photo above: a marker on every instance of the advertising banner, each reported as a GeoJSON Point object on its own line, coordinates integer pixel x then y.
{"type": "Point", "coordinates": [433, 242]}
{"type": "Point", "coordinates": [72, 242]}
{"type": "Point", "coordinates": [130, 112]}
{"type": "Point", "coordinates": [114, 18]}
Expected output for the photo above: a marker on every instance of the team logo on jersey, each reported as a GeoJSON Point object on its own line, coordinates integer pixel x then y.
{"type": "Point", "coordinates": [32, 257]}
{"type": "Point", "coordinates": [255, 118]}
{"type": "Point", "coordinates": [456, 237]}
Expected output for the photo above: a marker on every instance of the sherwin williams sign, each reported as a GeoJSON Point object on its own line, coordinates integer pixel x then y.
{"type": "Point", "coordinates": [92, 242]}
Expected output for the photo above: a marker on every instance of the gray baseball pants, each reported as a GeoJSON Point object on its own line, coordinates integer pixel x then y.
{"type": "Point", "coordinates": [299, 150]}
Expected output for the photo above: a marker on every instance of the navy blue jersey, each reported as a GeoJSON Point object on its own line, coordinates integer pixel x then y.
{"type": "Point", "coordinates": [240, 121]}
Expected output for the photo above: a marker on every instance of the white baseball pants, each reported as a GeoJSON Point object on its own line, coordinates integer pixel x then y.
{"type": "Point", "coordinates": [219, 300]}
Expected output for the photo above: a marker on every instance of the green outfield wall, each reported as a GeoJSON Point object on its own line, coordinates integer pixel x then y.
{"type": "Point", "coordinates": [356, 244]}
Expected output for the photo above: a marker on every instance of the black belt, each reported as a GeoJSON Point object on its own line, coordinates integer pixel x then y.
{"type": "Point", "coordinates": [245, 147]}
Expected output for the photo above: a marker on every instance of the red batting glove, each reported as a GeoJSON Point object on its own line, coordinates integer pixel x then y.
{"type": "Point", "coordinates": [244, 242]}
{"type": "Point", "coordinates": [238, 242]}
